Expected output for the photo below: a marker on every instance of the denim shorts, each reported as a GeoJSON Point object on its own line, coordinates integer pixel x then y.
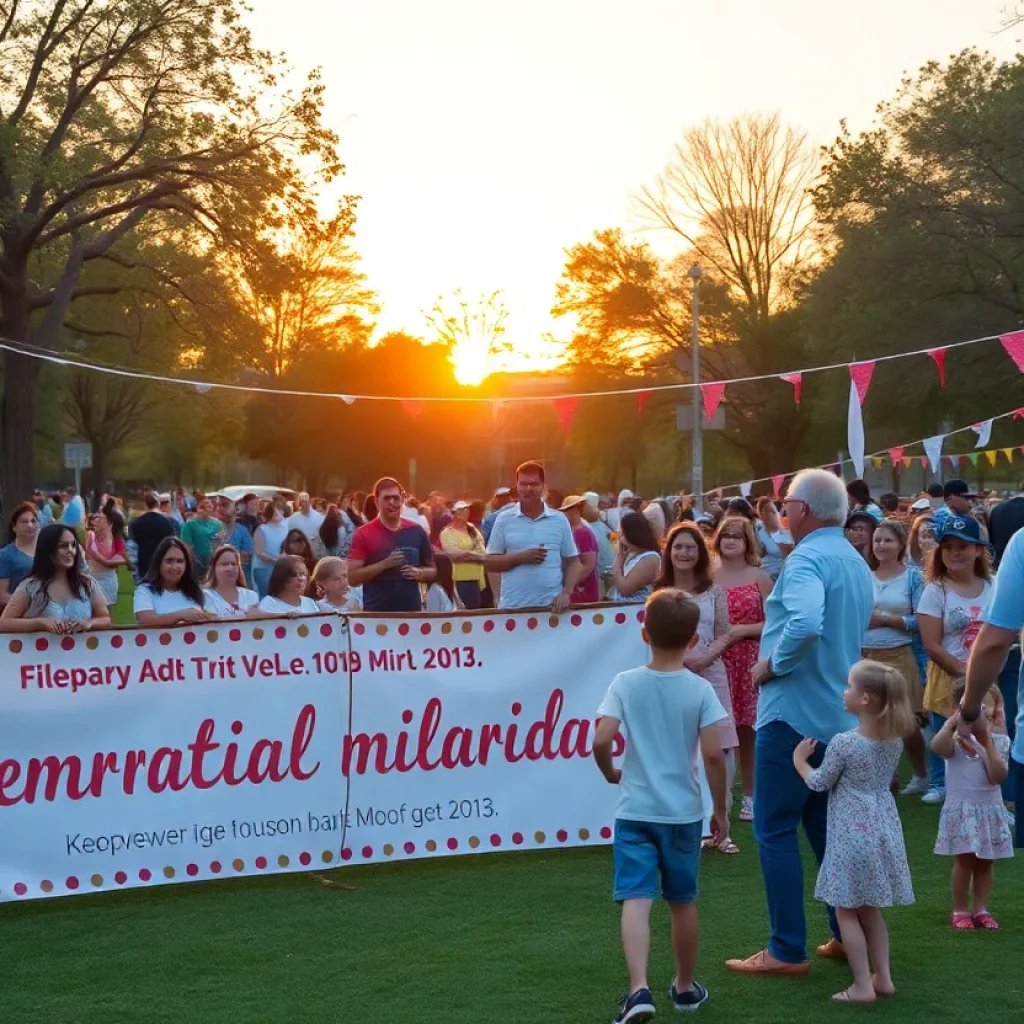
{"type": "Point", "coordinates": [642, 850]}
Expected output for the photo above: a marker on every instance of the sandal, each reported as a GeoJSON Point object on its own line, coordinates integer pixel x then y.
{"type": "Point", "coordinates": [728, 847]}
{"type": "Point", "coordinates": [962, 921]}
{"type": "Point", "coordinates": [985, 921]}
{"type": "Point", "coordinates": [846, 996]}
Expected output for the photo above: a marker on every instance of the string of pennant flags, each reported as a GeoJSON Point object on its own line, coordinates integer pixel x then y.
{"type": "Point", "coordinates": [565, 405]}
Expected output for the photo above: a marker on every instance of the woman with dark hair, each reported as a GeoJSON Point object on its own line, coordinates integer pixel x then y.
{"type": "Point", "coordinates": [56, 596]}
{"type": "Point", "coordinates": [286, 595]}
{"type": "Point", "coordinates": [168, 594]}
{"type": "Point", "coordinates": [297, 543]}
{"type": "Point", "coordinates": [637, 560]}
{"type": "Point", "coordinates": [334, 536]}
{"type": "Point", "coordinates": [267, 543]}
{"type": "Point", "coordinates": [477, 511]}
{"type": "Point", "coordinates": [352, 507]}
{"type": "Point", "coordinates": [860, 499]}
{"type": "Point", "coordinates": [369, 508]}
{"type": "Point", "coordinates": [104, 553]}
{"type": "Point", "coordinates": [114, 516]}
{"type": "Point", "coordinates": [686, 565]}
{"type": "Point", "coordinates": [442, 595]}
{"type": "Point", "coordinates": [949, 616]}
{"type": "Point", "coordinates": [17, 555]}
{"type": "Point", "coordinates": [860, 532]}
{"type": "Point", "coordinates": [226, 593]}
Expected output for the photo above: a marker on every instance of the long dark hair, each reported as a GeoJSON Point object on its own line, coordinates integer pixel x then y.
{"type": "Point", "coordinates": [331, 527]}
{"type": "Point", "coordinates": [19, 510]}
{"type": "Point", "coordinates": [189, 586]}
{"type": "Point", "coordinates": [636, 529]}
{"type": "Point", "coordinates": [702, 578]}
{"type": "Point", "coordinates": [307, 552]}
{"type": "Point", "coordinates": [44, 564]}
{"type": "Point", "coordinates": [445, 576]}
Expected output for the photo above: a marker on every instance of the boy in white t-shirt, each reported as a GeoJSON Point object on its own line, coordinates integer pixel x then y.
{"type": "Point", "coordinates": [668, 714]}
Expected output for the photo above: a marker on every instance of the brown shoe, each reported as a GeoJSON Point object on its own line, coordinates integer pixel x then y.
{"type": "Point", "coordinates": [765, 963]}
{"type": "Point", "coordinates": [832, 950]}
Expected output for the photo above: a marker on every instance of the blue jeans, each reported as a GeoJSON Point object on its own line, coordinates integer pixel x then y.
{"type": "Point", "coordinates": [643, 851]}
{"type": "Point", "coordinates": [783, 802]}
{"type": "Point", "coordinates": [936, 764]}
{"type": "Point", "coordinates": [1017, 771]}
{"type": "Point", "coordinates": [1009, 681]}
{"type": "Point", "coordinates": [261, 579]}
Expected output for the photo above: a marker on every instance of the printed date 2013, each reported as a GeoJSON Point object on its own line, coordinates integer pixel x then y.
{"type": "Point", "coordinates": [390, 659]}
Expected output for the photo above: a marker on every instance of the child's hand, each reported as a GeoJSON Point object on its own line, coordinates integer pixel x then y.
{"type": "Point", "coordinates": [803, 751]}
{"type": "Point", "coordinates": [719, 827]}
{"type": "Point", "coordinates": [614, 776]}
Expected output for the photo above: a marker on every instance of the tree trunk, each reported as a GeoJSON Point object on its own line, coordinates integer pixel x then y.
{"type": "Point", "coordinates": [99, 473]}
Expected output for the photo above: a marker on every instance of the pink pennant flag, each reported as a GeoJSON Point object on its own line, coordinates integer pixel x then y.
{"type": "Point", "coordinates": [712, 394]}
{"type": "Point", "coordinates": [923, 459]}
{"type": "Point", "coordinates": [797, 380]}
{"type": "Point", "coordinates": [939, 355]}
{"type": "Point", "coordinates": [1014, 345]}
{"type": "Point", "coordinates": [896, 454]}
{"type": "Point", "coordinates": [777, 482]}
{"type": "Point", "coordinates": [641, 401]}
{"type": "Point", "coordinates": [413, 408]}
{"type": "Point", "coordinates": [565, 408]}
{"type": "Point", "coordinates": [860, 374]}
{"type": "Point", "coordinates": [1018, 414]}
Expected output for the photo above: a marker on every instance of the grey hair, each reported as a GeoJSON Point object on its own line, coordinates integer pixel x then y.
{"type": "Point", "coordinates": [824, 494]}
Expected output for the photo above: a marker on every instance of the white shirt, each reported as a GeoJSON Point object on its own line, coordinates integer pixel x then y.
{"type": "Point", "coordinates": [413, 514]}
{"type": "Point", "coordinates": [306, 606]}
{"type": "Point", "coordinates": [961, 616]}
{"type": "Point", "coordinates": [892, 597]}
{"type": "Point", "coordinates": [532, 586]}
{"type": "Point", "coordinates": [273, 535]}
{"type": "Point", "coordinates": [351, 605]}
{"type": "Point", "coordinates": [438, 600]}
{"type": "Point", "coordinates": [148, 600]}
{"type": "Point", "coordinates": [309, 523]}
{"type": "Point", "coordinates": [216, 604]}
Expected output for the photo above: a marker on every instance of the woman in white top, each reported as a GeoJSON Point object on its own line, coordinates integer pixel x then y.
{"type": "Point", "coordinates": [637, 561]}
{"type": "Point", "coordinates": [330, 582]}
{"type": "Point", "coordinates": [442, 595]}
{"type": "Point", "coordinates": [168, 594]}
{"type": "Point", "coordinates": [267, 542]}
{"type": "Point", "coordinates": [226, 594]}
{"type": "Point", "coordinates": [949, 616]}
{"type": "Point", "coordinates": [287, 588]}
{"type": "Point", "coordinates": [890, 636]}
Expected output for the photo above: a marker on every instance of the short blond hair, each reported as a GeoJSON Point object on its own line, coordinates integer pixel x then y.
{"type": "Point", "coordinates": [887, 686]}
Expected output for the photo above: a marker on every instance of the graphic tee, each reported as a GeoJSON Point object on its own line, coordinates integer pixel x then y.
{"type": "Point", "coordinates": [961, 616]}
{"type": "Point", "coordinates": [391, 591]}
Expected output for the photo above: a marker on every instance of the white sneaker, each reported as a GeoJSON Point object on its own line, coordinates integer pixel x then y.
{"type": "Point", "coordinates": [934, 796]}
{"type": "Point", "coordinates": [747, 809]}
{"type": "Point", "coordinates": [917, 786]}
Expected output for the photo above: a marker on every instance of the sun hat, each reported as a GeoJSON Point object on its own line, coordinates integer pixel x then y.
{"type": "Point", "coordinates": [572, 501]}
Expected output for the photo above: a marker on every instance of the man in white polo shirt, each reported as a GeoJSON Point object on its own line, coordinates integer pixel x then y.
{"type": "Point", "coordinates": [532, 546]}
{"type": "Point", "coordinates": [305, 518]}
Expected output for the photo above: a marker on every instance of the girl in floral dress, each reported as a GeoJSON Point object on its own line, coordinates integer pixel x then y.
{"type": "Point", "coordinates": [865, 866]}
{"type": "Point", "coordinates": [973, 827]}
{"type": "Point", "coordinates": [746, 585]}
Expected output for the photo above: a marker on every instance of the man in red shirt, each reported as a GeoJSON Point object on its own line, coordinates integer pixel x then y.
{"type": "Point", "coordinates": [390, 556]}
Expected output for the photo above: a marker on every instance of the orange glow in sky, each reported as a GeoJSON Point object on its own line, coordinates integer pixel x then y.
{"type": "Point", "coordinates": [486, 138]}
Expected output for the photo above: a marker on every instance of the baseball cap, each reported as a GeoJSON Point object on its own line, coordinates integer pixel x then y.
{"type": "Point", "coordinates": [593, 499]}
{"type": "Point", "coordinates": [460, 505]}
{"type": "Point", "coordinates": [921, 505]}
{"type": "Point", "coordinates": [965, 528]}
{"type": "Point", "coordinates": [572, 501]}
{"type": "Point", "coordinates": [860, 516]}
{"type": "Point", "coordinates": [740, 506]}
{"type": "Point", "coordinates": [502, 491]}
{"type": "Point", "coordinates": [959, 488]}
{"type": "Point", "coordinates": [626, 495]}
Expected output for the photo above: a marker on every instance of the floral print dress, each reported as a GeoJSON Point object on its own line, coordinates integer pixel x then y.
{"type": "Point", "coordinates": [865, 861]}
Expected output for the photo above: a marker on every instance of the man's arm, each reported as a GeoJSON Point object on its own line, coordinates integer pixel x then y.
{"type": "Point", "coordinates": [572, 573]}
{"type": "Point", "coordinates": [804, 601]}
{"type": "Point", "coordinates": [359, 572]}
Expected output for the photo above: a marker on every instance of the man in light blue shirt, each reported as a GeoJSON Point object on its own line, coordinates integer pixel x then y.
{"type": "Point", "coordinates": [814, 626]}
{"type": "Point", "coordinates": [1002, 623]}
{"type": "Point", "coordinates": [532, 547]}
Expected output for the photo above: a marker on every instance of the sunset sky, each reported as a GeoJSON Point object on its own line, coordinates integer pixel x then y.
{"type": "Point", "coordinates": [486, 138]}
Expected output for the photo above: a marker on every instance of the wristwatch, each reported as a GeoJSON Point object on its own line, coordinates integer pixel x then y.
{"type": "Point", "coordinates": [968, 716]}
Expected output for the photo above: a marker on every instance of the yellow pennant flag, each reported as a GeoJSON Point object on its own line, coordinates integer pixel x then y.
{"type": "Point", "coordinates": [1008, 452]}
{"type": "Point", "coordinates": [877, 462]}
{"type": "Point", "coordinates": [907, 460]}
{"type": "Point", "coordinates": [991, 456]}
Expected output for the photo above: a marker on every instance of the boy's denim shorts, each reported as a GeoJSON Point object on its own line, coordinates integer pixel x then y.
{"type": "Point", "coordinates": [642, 850]}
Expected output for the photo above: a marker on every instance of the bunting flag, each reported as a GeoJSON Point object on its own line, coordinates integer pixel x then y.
{"type": "Point", "coordinates": [746, 488]}
{"type": "Point", "coordinates": [860, 374]}
{"type": "Point", "coordinates": [876, 461]}
{"type": "Point", "coordinates": [855, 427]}
{"type": "Point", "coordinates": [712, 394]}
{"type": "Point", "coordinates": [991, 455]}
{"type": "Point", "coordinates": [923, 459]}
{"type": "Point", "coordinates": [973, 456]}
{"type": "Point", "coordinates": [984, 432]}
{"type": "Point", "coordinates": [641, 401]}
{"type": "Point", "coordinates": [777, 482]}
{"type": "Point", "coordinates": [565, 408]}
{"type": "Point", "coordinates": [797, 380]}
{"type": "Point", "coordinates": [954, 461]}
{"type": "Point", "coordinates": [939, 355]}
{"type": "Point", "coordinates": [1021, 449]}
{"type": "Point", "coordinates": [896, 454]}
{"type": "Point", "coordinates": [1014, 345]}
{"type": "Point", "coordinates": [907, 461]}
{"type": "Point", "coordinates": [412, 407]}
{"type": "Point", "coordinates": [1008, 452]}
{"type": "Point", "coordinates": [347, 399]}
{"type": "Point", "coordinates": [203, 388]}
{"type": "Point", "coordinates": [933, 447]}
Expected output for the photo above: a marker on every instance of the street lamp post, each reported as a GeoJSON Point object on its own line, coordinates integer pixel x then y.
{"type": "Point", "coordinates": [695, 274]}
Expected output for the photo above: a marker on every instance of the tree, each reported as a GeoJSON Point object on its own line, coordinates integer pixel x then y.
{"type": "Point", "coordinates": [474, 333]}
{"type": "Point", "coordinates": [736, 195]}
{"type": "Point", "coordinates": [119, 114]}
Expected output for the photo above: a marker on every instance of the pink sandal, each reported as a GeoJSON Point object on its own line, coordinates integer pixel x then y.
{"type": "Point", "coordinates": [985, 921]}
{"type": "Point", "coordinates": [962, 921]}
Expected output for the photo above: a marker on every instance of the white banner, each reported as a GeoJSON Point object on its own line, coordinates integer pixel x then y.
{"type": "Point", "coordinates": [474, 733]}
{"type": "Point", "coordinates": [168, 755]}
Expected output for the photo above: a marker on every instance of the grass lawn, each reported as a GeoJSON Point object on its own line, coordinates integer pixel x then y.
{"type": "Point", "coordinates": [507, 938]}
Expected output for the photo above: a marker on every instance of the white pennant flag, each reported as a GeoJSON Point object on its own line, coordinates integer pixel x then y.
{"type": "Point", "coordinates": [855, 431]}
{"type": "Point", "coordinates": [933, 449]}
{"type": "Point", "coordinates": [347, 399]}
{"type": "Point", "coordinates": [984, 432]}
{"type": "Point", "coordinates": [745, 488]}
{"type": "Point", "coordinates": [203, 388]}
